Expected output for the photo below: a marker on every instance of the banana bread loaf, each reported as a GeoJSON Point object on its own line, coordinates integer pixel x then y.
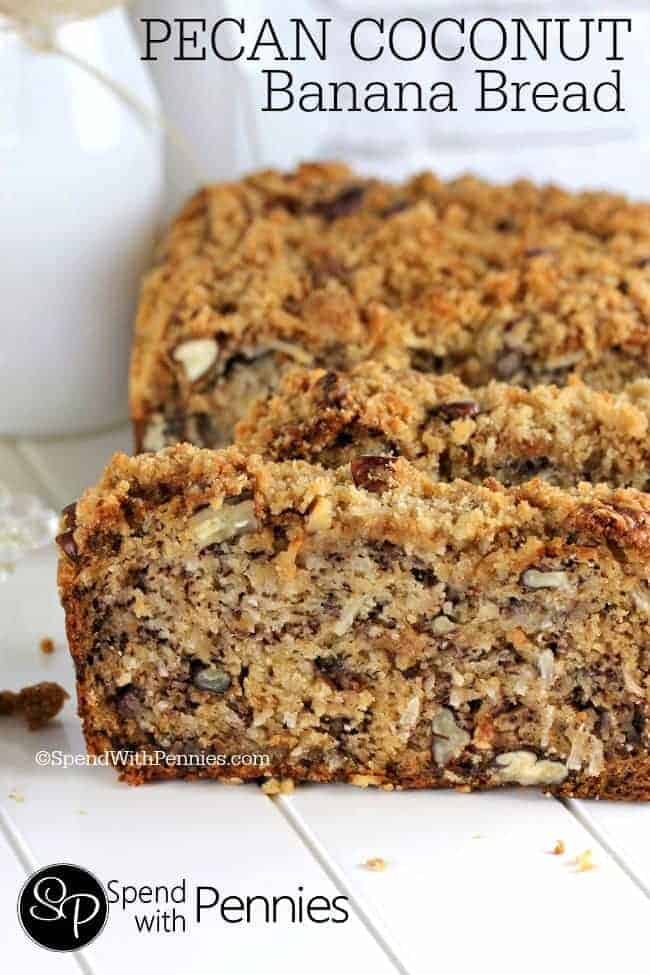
{"type": "Point", "coordinates": [366, 624]}
{"type": "Point", "coordinates": [322, 268]}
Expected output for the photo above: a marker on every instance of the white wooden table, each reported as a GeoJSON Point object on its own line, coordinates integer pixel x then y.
{"type": "Point", "coordinates": [470, 883]}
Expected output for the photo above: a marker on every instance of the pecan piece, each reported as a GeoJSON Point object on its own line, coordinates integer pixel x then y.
{"type": "Point", "coordinates": [372, 473]}
{"type": "Point", "coordinates": [67, 544]}
{"type": "Point", "coordinates": [508, 365]}
{"type": "Point", "coordinates": [69, 515]}
{"type": "Point", "coordinates": [458, 410]}
{"type": "Point", "coordinates": [538, 251]}
{"type": "Point", "coordinates": [399, 206]}
{"type": "Point", "coordinates": [346, 202]}
{"type": "Point", "coordinates": [128, 702]}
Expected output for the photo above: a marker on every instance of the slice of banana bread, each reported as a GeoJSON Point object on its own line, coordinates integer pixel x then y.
{"type": "Point", "coordinates": [322, 268]}
{"type": "Point", "coordinates": [564, 435]}
{"type": "Point", "coordinates": [367, 625]}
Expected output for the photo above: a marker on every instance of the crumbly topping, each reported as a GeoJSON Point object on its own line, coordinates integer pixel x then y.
{"type": "Point", "coordinates": [320, 267]}
{"type": "Point", "coordinates": [563, 435]}
{"type": "Point", "coordinates": [427, 515]}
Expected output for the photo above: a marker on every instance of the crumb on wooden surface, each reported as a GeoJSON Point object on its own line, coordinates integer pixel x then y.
{"type": "Point", "coordinates": [583, 862]}
{"type": "Point", "coordinates": [559, 848]}
{"type": "Point", "coordinates": [47, 645]}
{"type": "Point", "coordinates": [38, 703]}
{"type": "Point", "coordinates": [375, 863]}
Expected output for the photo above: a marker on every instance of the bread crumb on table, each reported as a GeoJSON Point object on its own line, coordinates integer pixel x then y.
{"type": "Point", "coordinates": [363, 780]}
{"type": "Point", "coordinates": [559, 848]}
{"type": "Point", "coordinates": [16, 796]}
{"type": "Point", "coordinates": [583, 862]}
{"type": "Point", "coordinates": [47, 645]}
{"type": "Point", "coordinates": [38, 703]}
{"type": "Point", "coordinates": [375, 863]}
{"type": "Point", "coordinates": [277, 787]}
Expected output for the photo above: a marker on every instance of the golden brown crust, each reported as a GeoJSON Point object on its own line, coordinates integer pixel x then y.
{"type": "Point", "coordinates": [322, 268]}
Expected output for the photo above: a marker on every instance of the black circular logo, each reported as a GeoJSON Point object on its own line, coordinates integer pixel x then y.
{"type": "Point", "coordinates": [62, 907]}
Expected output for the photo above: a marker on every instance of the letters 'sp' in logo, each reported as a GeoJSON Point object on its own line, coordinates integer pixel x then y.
{"type": "Point", "coordinates": [62, 907]}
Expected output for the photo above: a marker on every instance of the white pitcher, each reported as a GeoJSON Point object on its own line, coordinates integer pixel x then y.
{"type": "Point", "coordinates": [80, 201]}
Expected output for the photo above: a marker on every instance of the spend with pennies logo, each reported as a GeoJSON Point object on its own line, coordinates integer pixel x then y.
{"type": "Point", "coordinates": [62, 907]}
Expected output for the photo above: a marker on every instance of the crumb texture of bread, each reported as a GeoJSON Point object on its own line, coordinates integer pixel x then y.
{"type": "Point", "coordinates": [564, 436]}
{"type": "Point", "coordinates": [321, 268]}
{"type": "Point", "coordinates": [364, 624]}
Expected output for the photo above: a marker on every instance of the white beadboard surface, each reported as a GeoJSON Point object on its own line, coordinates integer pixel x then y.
{"type": "Point", "coordinates": [470, 882]}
